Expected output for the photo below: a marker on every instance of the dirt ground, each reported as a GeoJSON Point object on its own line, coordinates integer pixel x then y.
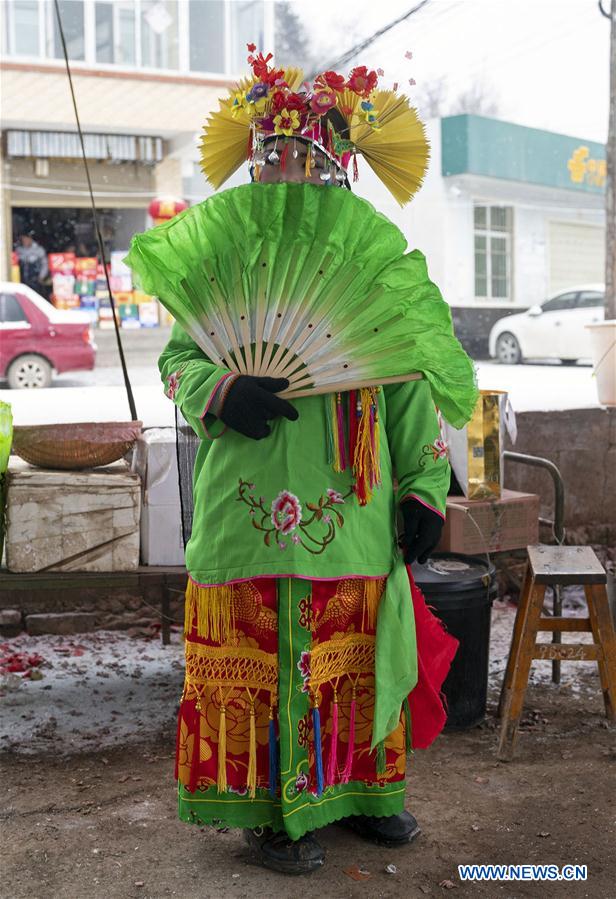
{"type": "Point", "coordinates": [104, 825]}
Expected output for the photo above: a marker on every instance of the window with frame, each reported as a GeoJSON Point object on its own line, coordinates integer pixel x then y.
{"type": "Point", "coordinates": [21, 32]}
{"type": "Point", "coordinates": [492, 233]}
{"type": "Point", "coordinates": [561, 302]}
{"type": "Point", "coordinates": [73, 24]}
{"type": "Point", "coordinates": [116, 36]}
{"type": "Point", "coordinates": [590, 299]}
{"type": "Point", "coordinates": [10, 310]}
{"type": "Point", "coordinates": [170, 35]}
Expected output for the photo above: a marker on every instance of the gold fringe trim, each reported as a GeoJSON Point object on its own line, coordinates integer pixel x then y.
{"type": "Point", "coordinates": [213, 609]}
{"type": "Point", "coordinates": [373, 590]}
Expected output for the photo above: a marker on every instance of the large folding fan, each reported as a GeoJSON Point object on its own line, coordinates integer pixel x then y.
{"type": "Point", "coordinates": [307, 283]}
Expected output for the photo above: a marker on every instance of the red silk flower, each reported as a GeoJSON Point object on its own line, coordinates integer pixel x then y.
{"type": "Point", "coordinates": [262, 70]}
{"type": "Point", "coordinates": [361, 81]}
{"type": "Point", "coordinates": [289, 101]}
{"type": "Point", "coordinates": [251, 47]}
{"type": "Point", "coordinates": [322, 101]}
{"type": "Point", "coordinates": [332, 79]}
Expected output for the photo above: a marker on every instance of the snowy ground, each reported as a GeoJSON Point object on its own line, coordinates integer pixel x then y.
{"type": "Point", "coordinates": [89, 692]}
{"type": "Point", "coordinates": [100, 395]}
{"type": "Point", "coordinates": [105, 690]}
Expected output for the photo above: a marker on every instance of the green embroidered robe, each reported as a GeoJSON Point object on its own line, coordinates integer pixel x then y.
{"type": "Point", "coordinates": [276, 507]}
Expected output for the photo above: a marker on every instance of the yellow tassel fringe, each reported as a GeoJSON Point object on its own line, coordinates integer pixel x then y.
{"type": "Point", "coordinates": [373, 589]}
{"type": "Point", "coordinates": [213, 609]}
{"type": "Point", "coordinates": [367, 457]}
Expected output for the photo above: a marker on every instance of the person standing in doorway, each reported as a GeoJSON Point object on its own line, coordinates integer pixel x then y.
{"type": "Point", "coordinates": [33, 267]}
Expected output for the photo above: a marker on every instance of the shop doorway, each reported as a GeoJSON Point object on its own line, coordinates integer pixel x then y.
{"type": "Point", "coordinates": [66, 230]}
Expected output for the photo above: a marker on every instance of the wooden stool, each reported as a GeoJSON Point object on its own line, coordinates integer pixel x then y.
{"type": "Point", "coordinates": [551, 565]}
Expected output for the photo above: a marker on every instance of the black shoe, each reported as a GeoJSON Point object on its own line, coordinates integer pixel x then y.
{"type": "Point", "coordinates": [279, 853]}
{"type": "Point", "coordinates": [395, 830]}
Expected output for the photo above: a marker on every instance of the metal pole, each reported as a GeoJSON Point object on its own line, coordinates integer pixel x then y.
{"type": "Point", "coordinates": [558, 530]}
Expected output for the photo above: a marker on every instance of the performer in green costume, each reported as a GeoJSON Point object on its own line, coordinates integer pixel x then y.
{"type": "Point", "coordinates": [312, 663]}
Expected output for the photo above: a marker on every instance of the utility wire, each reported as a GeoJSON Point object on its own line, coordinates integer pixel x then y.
{"type": "Point", "coordinates": [99, 237]}
{"type": "Point", "coordinates": [354, 51]}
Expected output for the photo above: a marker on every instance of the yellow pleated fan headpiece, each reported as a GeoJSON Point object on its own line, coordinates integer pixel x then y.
{"type": "Point", "coordinates": [341, 116]}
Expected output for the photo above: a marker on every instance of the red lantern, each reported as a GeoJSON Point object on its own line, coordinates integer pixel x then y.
{"type": "Point", "coordinates": [164, 208]}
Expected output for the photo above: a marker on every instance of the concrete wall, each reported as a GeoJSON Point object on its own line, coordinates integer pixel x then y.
{"type": "Point", "coordinates": [582, 443]}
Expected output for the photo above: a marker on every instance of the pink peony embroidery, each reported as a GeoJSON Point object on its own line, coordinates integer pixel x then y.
{"type": "Point", "coordinates": [173, 382]}
{"type": "Point", "coordinates": [440, 448]}
{"type": "Point", "coordinates": [435, 451]}
{"type": "Point", "coordinates": [304, 665]}
{"type": "Point", "coordinates": [312, 526]}
{"type": "Point", "coordinates": [286, 512]}
{"type": "Point", "coordinates": [334, 496]}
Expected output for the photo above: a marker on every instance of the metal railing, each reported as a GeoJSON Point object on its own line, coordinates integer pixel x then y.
{"type": "Point", "coordinates": [558, 530]}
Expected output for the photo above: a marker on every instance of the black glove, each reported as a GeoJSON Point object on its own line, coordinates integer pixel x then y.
{"type": "Point", "coordinates": [251, 402]}
{"type": "Point", "coordinates": [422, 531]}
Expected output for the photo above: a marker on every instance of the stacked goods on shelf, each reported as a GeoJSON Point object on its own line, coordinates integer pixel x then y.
{"type": "Point", "coordinates": [79, 283]}
{"type": "Point", "coordinates": [85, 285]}
{"type": "Point", "coordinates": [129, 302]}
{"type": "Point", "coordinates": [62, 270]}
{"type": "Point", "coordinates": [105, 315]}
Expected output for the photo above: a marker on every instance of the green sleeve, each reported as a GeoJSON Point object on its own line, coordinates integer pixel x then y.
{"type": "Point", "coordinates": [417, 451]}
{"type": "Point", "coordinates": [191, 381]}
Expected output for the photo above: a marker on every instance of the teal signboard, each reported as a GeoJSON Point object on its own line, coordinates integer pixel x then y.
{"type": "Point", "coordinates": [481, 146]}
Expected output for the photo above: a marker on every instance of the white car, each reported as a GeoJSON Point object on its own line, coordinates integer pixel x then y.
{"type": "Point", "coordinates": [553, 330]}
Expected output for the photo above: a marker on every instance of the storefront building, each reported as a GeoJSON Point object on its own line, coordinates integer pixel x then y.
{"type": "Point", "coordinates": [146, 73]}
{"type": "Point", "coordinates": [507, 216]}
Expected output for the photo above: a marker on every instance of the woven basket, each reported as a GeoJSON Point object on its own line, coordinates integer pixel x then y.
{"type": "Point", "coordinates": [75, 445]}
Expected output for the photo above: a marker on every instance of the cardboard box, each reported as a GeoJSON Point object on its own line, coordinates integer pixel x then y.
{"type": "Point", "coordinates": [161, 518]}
{"type": "Point", "coordinates": [118, 266]}
{"type": "Point", "coordinates": [86, 266]}
{"type": "Point", "coordinates": [61, 263]}
{"type": "Point", "coordinates": [129, 315]}
{"type": "Point", "coordinates": [148, 315]}
{"type": "Point", "coordinates": [474, 527]}
{"type": "Point", "coordinates": [72, 520]}
{"type": "Point", "coordinates": [121, 283]}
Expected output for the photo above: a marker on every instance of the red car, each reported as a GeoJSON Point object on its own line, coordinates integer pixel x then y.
{"type": "Point", "coordinates": [37, 339]}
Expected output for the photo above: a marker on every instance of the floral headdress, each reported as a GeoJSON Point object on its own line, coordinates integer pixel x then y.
{"type": "Point", "coordinates": [340, 116]}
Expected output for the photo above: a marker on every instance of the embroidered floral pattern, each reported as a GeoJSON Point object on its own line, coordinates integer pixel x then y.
{"type": "Point", "coordinates": [286, 512]}
{"type": "Point", "coordinates": [305, 613]}
{"type": "Point", "coordinates": [303, 730]}
{"type": "Point", "coordinates": [304, 669]}
{"type": "Point", "coordinates": [435, 451]}
{"type": "Point", "coordinates": [173, 382]}
{"type": "Point", "coordinates": [285, 518]}
{"type": "Point", "coordinates": [301, 782]}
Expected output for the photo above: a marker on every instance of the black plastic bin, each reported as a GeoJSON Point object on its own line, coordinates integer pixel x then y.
{"type": "Point", "coordinates": [460, 590]}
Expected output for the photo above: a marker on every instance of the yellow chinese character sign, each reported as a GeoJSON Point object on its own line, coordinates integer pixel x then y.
{"type": "Point", "coordinates": [583, 169]}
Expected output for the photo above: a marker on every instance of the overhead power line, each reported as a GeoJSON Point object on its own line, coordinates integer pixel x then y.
{"type": "Point", "coordinates": [101, 246]}
{"type": "Point", "coordinates": [354, 51]}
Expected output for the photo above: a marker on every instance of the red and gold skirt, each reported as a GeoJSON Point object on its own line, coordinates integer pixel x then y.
{"type": "Point", "coordinates": [275, 722]}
